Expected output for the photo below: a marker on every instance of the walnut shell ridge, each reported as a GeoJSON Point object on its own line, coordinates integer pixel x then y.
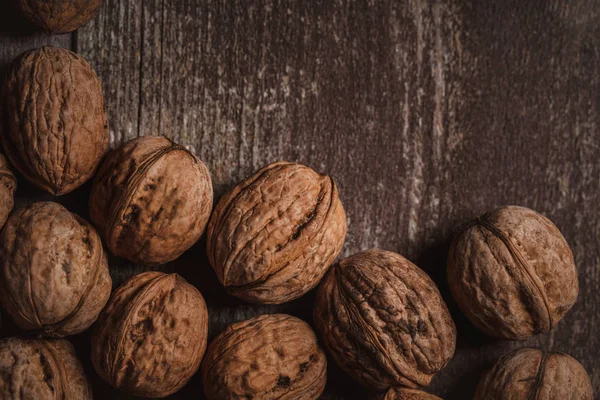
{"type": "Point", "coordinates": [41, 369]}
{"type": "Point", "coordinates": [54, 277]}
{"type": "Point", "coordinates": [56, 131]}
{"type": "Point", "coordinates": [272, 238]}
{"type": "Point", "coordinates": [151, 200]}
{"type": "Point", "coordinates": [512, 273]}
{"type": "Point", "coordinates": [384, 321]}
{"type": "Point", "coordinates": [267, 357]}
{"type": "Point", "coordinates": [408, 394]}
{"type": "Point", "coordinates": [151, 337]}
{"type": "Point", "coordinates": [8, 186]}
{"type": "Point", "coordinates": [58, 16]}
{"type": "Point", "coordinates": [533, 374]}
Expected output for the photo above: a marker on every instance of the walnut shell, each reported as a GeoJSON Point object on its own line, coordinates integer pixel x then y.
{"type": "Point", "coordinates": [408, 394]}
{"type": "Point", "coordinates": [56, 127]}
{"type": "Point", "coordinates": [512, 273]}
{"type": "Point", "coordinates": [273, 237]}
{"type": "Point", "coordinates": [8, 186]}
{"type": "Point", "coordinates": [384, 321]}
{"type": "Point", "coordinates": [151, 200]}
{"type": "Point", "coordinates": [54, 275]}
{"type": "Point", "coordinates": [267, 357]}
{"type": "Point", "coordinates": [58, 16]}
{"type": "Point", "coordinates": [533, 374]}
{"type": "Point", "coordinates": [41, 369]}
{"type": "Point", "coordinates": [151, 337]}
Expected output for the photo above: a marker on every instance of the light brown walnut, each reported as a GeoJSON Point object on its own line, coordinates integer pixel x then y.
{"type": "Point", "coordinates": [8, 186]}
{"type": "Point", "coordinates": [408, 394]}
{"type": "Point", "coordinates": [58, 16]}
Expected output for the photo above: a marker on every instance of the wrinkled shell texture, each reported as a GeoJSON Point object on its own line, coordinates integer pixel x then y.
{"type": "Point", "coordinates": [151, 200]}
{"type": "Point", "coordinates": [54, 276]}
{"type": "Point", "coordinates": [151, 336]}
{"type": "Point", "coordinates": [533, 374]}
{"type": "Point", "coordinates": [408, 394]}
{"type": "Point", "coordinates": [273, 237]}
{"type": "Point", "coordinates": [8, 186]}
{"type": "Point", "coordinates": [384, 321]}
{"type": "Point", "coordinates": [512, 273]}
{"type": "Point", "coordinates": [268, 357]}
{"type": "Point", "coordinates": [41, 370]}
{"type": "Point", "coordinates": [56, 127]}
{"type": "Point", "coordinates": [58, 16]}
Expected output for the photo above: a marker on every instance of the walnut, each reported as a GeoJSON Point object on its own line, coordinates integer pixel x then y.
{"type": "Point", "coordinates": [512, 273]}
{"type": "Point", "coordinates": [54, 275]}
{"type": "Point", "coordinates": [151, 337]}
{"type": "Point", "coordinates": [267, 357]}
{"type": "Point", "coordinates": [8, 185]}
{"type": "Point", "coordinates": [272, 238]}
{"type": "Point", "coordinates": [151, 200]}
{"type": "Point", "coordinates": [41, 369]}
{"type": "Point", "coordinates": [56, 127]}
{"type": "Point", "coordinates": [58, 16]}
{"type": "Point", "coordinates": [384, 321]}
{"type": "Point", "coordinates": [533, 374]}
{"type": "Point", "coordinates": [408, 394]}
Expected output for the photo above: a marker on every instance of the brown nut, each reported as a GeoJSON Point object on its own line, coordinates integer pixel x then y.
{"type": "Point", "coordinates": [54, 275]}
{"type": "Point", "coordinates": [151, 337]}
{"type": "Point", "coordinates": [512, 273]}
{"type": "Point", "coordinates": [384, 321]}
{"type": "Point", "coordinates": [8, 185]}
{"type": "Point", "coordinates": [58, 16]}
{"type": "Point", "coordinates": [56, 127]}
{"type": "Point", "coordinates": [533, 374]}
{"type": "Point", "coordinates": [151, 200]}
{"type": "Point", "coordinates": [267, 357]}
{"type": "Point", "coordinates": [273, 237]}
{"type": "Point", "coordinates": [408, 394]}
{"type": "Point", "coordinates": [41, 369]}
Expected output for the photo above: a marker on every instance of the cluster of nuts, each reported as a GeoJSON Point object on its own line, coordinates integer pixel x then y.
{"type": "Point", "coordinates": [270, 240]}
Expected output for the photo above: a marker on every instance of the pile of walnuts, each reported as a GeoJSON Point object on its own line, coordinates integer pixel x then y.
{"type": "Point", "coordinates": [270, 240]}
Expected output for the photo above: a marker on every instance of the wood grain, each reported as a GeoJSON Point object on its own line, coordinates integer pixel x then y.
{"type": "Point", "coordinates": [426, 113]}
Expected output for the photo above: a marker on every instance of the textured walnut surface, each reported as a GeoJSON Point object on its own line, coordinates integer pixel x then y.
{"type": "Point", "coordinates": [272, 238]}
{"type": "Point", "coordinates": [533, 374]}
{"type": "Point", "coordinates": [384, 321]}
{"type": "Point", "coordinates": [512, 273]}
{"type": "Point", "coordinates": [56, 127]}
{"type": "Point", "coordinates": [151, 337]}
{"type": "Point", "coordinates": [58, 16]}
{"type": "Point", "coordinates": [41, 370]}
{"type": "Point", "coordinates": [408, 394]}
{"type": "Point", "coordinates": [268, 357]}
{"type": "Point", "coordinates": [151, 200]}
{"type": "Point", "coordinates": [8, 185]}
{"type": "Point", "coordinates": [54, 275]}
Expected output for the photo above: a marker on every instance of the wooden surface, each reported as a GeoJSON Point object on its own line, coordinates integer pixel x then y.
{"type": "Point", "coordinates": [426, 113]}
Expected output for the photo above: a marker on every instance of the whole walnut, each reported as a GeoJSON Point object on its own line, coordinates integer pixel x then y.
{"type": "Point", "coordinates": [533, 374]}
{"type": "Point", "coordinates": [267, 357]}
{"type": "Point", "coordinates": [151, 337]}
{"type": "Point", "coordinates": [512, 273]}
{"type": "Point", "coordinates": [54, 276]}
{"type": "Point", "coordinates": [56, 130]}
{"type": "Point", "coordinates": [8, 186]}
{"type": "Point", "coordinates": [151, 200]}
{"type": "Point", "coordinates": [384, 321]}
{"type": "Point", "coordinates": [41, 370]}
{"type": "Point", "coordinates": [58, 16]}
{"type": "Point", "coordinates": [273, 237]}
{"type": "Point", "coordinates": [408, 394]}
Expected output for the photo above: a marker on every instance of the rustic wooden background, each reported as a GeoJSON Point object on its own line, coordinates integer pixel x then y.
{"type": "Point", "coordinates": [426, 113]}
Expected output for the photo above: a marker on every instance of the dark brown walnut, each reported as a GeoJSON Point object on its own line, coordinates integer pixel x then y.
{"type": "Point", "coordinates": [267, 357]}
{"type": "Point", "coordinates": [41, 370]}
{"type": "Point", "coordinates": [533, 374]}
{"type": "Point", "coordinates": [408, 394]}
{"type": "Point", "coordinates": [54, 277]}
{"type": "Point", "coordinates": [151, 200]}
{"type": "Point", "coordinates": [512, 273]}
{"type": "Point", "coordinates": [55, 127]}
{"type": "Point", "coordinates": [384, 321]}
{"type": "Point", "coordinates": [8, 185]}
{"type": "Point", "coordinates": [58, 16]}
{"type": "Point", "coordinates": [273, 237]}
{"type": "Point", "coordinates": [151, 337]}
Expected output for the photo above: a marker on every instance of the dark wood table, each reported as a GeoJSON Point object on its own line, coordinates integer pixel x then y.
{"type": "Point", "coordinates": [426, 113]}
